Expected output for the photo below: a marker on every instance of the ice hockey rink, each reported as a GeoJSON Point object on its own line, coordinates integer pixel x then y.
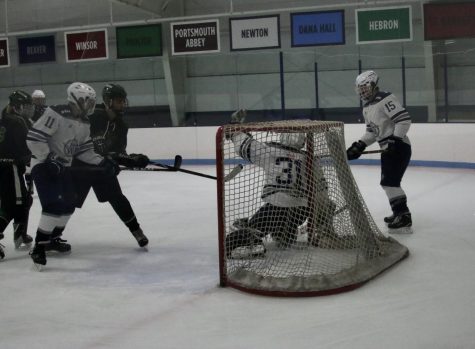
{"type": "Point", "coordinates": [110, 294]}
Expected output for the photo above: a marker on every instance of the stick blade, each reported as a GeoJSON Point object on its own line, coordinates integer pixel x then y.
{"type": "Point", "coordinates": [178, 161]}
{"type": "Point", "coordinates": [234, 172]}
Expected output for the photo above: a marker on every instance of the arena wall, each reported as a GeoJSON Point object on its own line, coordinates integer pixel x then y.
{"type": "Point", "coordinates": [444, 145]}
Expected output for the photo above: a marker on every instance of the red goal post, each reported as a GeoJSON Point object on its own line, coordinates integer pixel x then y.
{"type": "Point", "coordinates": [326, 243]}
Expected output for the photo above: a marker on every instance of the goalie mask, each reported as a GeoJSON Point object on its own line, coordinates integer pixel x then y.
{"type": "Point", "coordinates": [21, 104]}
{"type": "Point", "coordinates": [293, 140]}
{"type": "Point", "coordinates": [367, 85]}
{"type": "Point", "coordinates": [82, 98]}
{"type": "Point", "coordinates": [115, 98]}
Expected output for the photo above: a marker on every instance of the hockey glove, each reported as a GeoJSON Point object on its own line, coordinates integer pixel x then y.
{"type": "Point", "coordinates": [394, 144]}
{"type": "Point", "coordinates": [355, 151]}
{"type": "Point", "coordinates": [99, 144]}
{"type": "Point", "coordinates": [54, 165]}
{"type": "Point", "coordinates": [139, 160]}
{"type": "Point", "coordinates": [239, 116]}
{"type": "Point", "coordinates": [110, 167]}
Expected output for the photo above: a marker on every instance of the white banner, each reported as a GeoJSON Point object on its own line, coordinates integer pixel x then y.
{"type": "Point", "coordinates": [254, 33]}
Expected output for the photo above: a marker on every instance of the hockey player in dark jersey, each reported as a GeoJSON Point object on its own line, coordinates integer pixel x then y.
{"type": "Point", "coordinates": [387, 122]}
{"type": "Point", "coordinates": [109, 134]}
{"type": "Point", "coordinates": [15, 199]}
{"type": "Point", "coordinates": [59, 135]}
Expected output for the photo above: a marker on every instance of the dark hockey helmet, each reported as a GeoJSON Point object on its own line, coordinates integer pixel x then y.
{"type": "Point", "coordinates": [19, 98]}
{"type": "Point", "coordinates": [111, 91]}
{"type": "Point", "coordinates": [21, 103]}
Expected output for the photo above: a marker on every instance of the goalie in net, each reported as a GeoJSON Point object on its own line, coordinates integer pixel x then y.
{"type": "Point", "coordinates": [293, 222]}
{"type": "Point", "coordinates": [285, 197]}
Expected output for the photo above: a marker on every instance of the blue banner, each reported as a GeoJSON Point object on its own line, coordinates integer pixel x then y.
{"type": "Point", "coordinates": [36, 49]}
{"type": "Point", "coordinates": [318, 28]}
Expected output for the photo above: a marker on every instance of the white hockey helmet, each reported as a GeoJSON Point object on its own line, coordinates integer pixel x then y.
{"type": "Point", "coordinates": [82, 97]}
{"type": "Point", "coordinates": [38, 94]}
{"type": "Point", "coordinates": [39, 97]}
{"type": "Point", "coordinates": [367, 85]}
{"type": "Point", "coordinates": [293, 140]}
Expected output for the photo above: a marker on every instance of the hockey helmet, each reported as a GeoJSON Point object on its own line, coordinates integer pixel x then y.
{"type": "Point", "coordinates": [293, 140]}
{"type": "Point", "coordinates": [21, 103]}
{"type": "Point", "coordinates": [82, 97]}
{"type": "Point", "coordinates": [39, 97]}
{"type": "Point", "coordinates": [112, 91]}
{"type": "Point", "coordinates": [367, 85]}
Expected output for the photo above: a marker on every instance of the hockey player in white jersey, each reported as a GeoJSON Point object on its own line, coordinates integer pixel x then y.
{"type": "Point", "coordinates": [60, 134]}
{"type": "Point", "coordinates": [387, 122]}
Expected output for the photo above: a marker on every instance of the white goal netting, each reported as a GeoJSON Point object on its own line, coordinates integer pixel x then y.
{"type": "Point", "coordinates": [292, 221]}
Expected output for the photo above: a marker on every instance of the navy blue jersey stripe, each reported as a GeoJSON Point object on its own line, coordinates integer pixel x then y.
{"type": "Point", "coordinates": [36, 140]}
{"type": "Point", "coordinates": [38, 131]}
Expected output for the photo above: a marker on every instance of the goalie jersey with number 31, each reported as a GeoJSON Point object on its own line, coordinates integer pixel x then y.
{"type": "Point", "coordinates": [283, 165]}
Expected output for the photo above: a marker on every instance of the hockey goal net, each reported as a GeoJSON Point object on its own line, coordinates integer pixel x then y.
{"type": "Point", "coordinates": [292, 222]}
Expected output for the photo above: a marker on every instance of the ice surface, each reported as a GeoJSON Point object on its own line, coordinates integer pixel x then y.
{"type": "Point", "coordinates": [109, 294]}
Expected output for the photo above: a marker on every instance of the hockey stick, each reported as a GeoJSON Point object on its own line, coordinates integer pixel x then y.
{"type": "Point", "coordinates": [378, 151]}
{"type": "Point", "coordinates": [176, 165]}
{"type": "Point", "coordinates": [373, 151]}
{"type": "Point", "coordinates": [234, 172]}
{"type": "Point", "coordinates": [146, 169]}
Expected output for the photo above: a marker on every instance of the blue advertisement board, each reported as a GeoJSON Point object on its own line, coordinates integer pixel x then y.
{"type": "Point", "coordinates": [36, 49]}
{"type": "Point", "coordinates": [318, 28]}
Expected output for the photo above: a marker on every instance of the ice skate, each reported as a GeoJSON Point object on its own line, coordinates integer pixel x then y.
{"type": "Point", "coordinates": [58, 245]}
{"type": "Point", "coordinates": [402, 224]}
{"type": "Point", "coordinates": [389, 219]}
{"type": "Point", "coordinates": [22, 241]}
{"type": "Point", "coordinates": [248, 252]}
{"type": "Point", "coordinates": [38, 255]}
{"type": "Point", "coordinates": [285, 240]}
{"type": "Point", "coordinates": [140, 237]}
{"type": "Point", "coordinates": [244, 244]}
{"type": "Point", "coordinates": [241, 223]}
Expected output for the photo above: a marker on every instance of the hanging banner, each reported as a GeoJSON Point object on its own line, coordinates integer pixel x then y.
{"type": "Point", "coordinates": [37, 49]}
{"type": "Point", "coordinates": [318, 28]}
{"type": "Point", "coordinates": [195, 37]}
{"type": "Point", "coordinates": [252, 33]}
{"type": "Point", "coordinates": [449, 21]}
{"type": "Point", "coordinates": [384, 24]}
{"type": "Point", "coordinates": [139, 41]}
{"type": "Point", "coordinates": [4, 54]}
{"type": "Point", "coordinates": [86, 45]}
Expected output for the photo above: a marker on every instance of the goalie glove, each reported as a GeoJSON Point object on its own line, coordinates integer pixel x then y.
{"type": "Point", "coordinates": [355, 151]}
